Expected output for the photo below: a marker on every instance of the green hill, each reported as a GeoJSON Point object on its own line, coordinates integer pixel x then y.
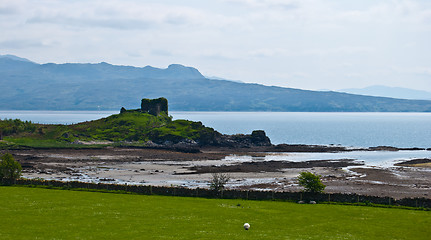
{"type": "Point", "coordinates": [129, 128]}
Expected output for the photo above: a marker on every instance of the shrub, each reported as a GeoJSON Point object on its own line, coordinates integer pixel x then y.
{"type": "Point", "coordinates": [311, 182]}
{"type": "Point", "coordinates": [219, 181]}
{"type": "Point", "coordinates": [10, 169]}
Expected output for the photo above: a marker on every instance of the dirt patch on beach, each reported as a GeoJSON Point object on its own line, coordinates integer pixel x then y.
{"type": "Point", "coordinates": [110, 155]}
{"type": "Point", "coordinates": [423, 162]}
{"type": "Point", "coordinates": [273, 166]}
{"type": "Point", "coordinates": [397, 182]}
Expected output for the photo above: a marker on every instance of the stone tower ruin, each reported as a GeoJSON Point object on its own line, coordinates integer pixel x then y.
{"type": "Point", "coordinates": [154, 106]}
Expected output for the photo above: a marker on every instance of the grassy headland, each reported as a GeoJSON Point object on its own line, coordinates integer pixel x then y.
{"type": "Point", "coordinates": [127, 127]}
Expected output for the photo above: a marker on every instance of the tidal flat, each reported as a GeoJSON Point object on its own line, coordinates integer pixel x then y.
{"type": "Point", "coordinates": [257, 169]}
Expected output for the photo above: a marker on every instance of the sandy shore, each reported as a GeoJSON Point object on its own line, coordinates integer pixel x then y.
{"type": "Point", "coordinates": [168, 168]}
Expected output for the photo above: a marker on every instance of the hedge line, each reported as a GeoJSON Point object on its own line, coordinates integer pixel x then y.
{"type": "Point", "coordinates": [233, 194]}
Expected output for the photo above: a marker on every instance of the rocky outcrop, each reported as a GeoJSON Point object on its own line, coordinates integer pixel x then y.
{"type": "Point", "coordinates": [255, 139]}
{"type": "Point", "coordinates": [190, 134]}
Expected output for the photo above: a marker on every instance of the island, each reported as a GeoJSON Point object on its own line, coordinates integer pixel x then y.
{"type": "Point", "coordinates": [148, 126]}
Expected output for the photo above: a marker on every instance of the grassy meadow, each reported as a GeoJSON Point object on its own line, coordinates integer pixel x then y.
{"type": "Point", "coordinates": [35, 213]}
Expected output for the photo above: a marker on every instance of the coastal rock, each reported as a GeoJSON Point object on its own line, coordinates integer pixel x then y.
{"type": "Point", "coordinates": [256, 138]}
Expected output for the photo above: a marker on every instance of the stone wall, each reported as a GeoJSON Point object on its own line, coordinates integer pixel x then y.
{"type": "Point", "coordinates": [234, 194]}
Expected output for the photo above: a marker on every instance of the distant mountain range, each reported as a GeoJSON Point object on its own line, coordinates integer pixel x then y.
{"type": "Point", "coordinates": [393, 92]}
{"type": "Point", "coordinates": [26, 85]}
{"type": "Point", "coordinates": [12, 57]}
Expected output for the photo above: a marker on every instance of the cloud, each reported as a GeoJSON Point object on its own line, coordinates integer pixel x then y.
{"type": "Point", "coordinates": [388, 12]}
{"type": "Point", "coordinates": [415, 70]}
{"type": "Point", "coordinates": [7, 11]}
{"type": "Point", "coordinates": [219, 55]}
{"type": "Point", "coordinates": [161, 52]}
{"type": "Point", "coordinates": [280, 4]}
{"type": "Point", "coordinates": [343, 50]}
{"type": "Point", "coordinates": [20, 44]}
{"type": "Point", "coordinates": [121, 15]}
{"type": "Point", "coordinates": [267, 52]}
{"type": "Point", "coordinates": [119, 24]}
{"type": "Point", "coordinates": [250, 40]}
{"type": "Point", "coordinates": [89, 15]}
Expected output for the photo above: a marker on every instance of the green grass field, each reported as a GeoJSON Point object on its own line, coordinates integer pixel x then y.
{"type": "Point", "coordinates": [35, 213]}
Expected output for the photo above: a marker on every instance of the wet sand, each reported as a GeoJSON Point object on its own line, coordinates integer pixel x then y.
{"type": "Point", "coordinates": [170, 168]}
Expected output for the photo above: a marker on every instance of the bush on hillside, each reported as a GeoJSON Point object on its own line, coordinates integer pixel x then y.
{"type": "Point", "coordinates": [13, 126]}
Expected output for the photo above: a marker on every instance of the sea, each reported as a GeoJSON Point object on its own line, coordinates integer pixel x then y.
{"type": "Point", "coordinates": [404, 130]}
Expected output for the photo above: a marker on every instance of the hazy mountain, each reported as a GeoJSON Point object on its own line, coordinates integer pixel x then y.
{"type": "Point", "coordinates": [222, 79]}
{"type": "Point", "coordinates": [12, 57]}
{"type": "Point", "coordinates": [32, 86]}
{"type": "Point", "coordinates": [393, 92]}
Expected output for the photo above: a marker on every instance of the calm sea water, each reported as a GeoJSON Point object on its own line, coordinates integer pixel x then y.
{"type": "Point", "coordinates": [347, 129]}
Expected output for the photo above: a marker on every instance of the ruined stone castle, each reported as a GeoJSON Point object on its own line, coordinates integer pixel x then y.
{"type": "Point", "coordinates": [154, 106]}
{"type": "Point", "coordinates": [151, 106]}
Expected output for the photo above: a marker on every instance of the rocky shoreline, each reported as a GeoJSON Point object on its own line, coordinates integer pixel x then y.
{"type": "Point", "coordinates": [249, 168]}
{"type": "Point", "coordinates": [243, 143]}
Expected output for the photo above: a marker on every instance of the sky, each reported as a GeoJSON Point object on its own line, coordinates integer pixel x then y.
{"type": "Point", "coordinates": [307, 44]}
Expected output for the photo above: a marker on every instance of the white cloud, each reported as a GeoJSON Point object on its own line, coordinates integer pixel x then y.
{"type": "Point", "coordinates": [388, 12]}
{"type": "Point", "coordinates": [21, 44]}
{"type": "Point", "coordinates": [280, 4]}
{"type": "Point", "coordinates": [7, 10]}
{"type": "Point", "coordinates": [161, 52]}
{"type": "Point", "coordinates": [266, 41]}
{"type": "Point", "coordinates": [268, 52]}
{"type": "Point", "coordinates": [343, 50]}
{"type": "Point", "coordinates": [120, 14]}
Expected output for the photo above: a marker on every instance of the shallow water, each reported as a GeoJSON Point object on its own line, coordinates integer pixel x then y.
{"type": "Point", "coordinates": [368, 158]}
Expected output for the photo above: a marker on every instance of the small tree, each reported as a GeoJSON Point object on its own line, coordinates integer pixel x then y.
{"type": "Point", "coordinates": [311, 182]}
{"type": "Point", "coordinates": [219, 181]}
{"type": "Point", "coordinates": [10, 169]}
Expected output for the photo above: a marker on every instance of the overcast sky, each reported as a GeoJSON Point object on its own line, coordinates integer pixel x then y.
{"type": "Point", "coordinates": [308, 44]}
